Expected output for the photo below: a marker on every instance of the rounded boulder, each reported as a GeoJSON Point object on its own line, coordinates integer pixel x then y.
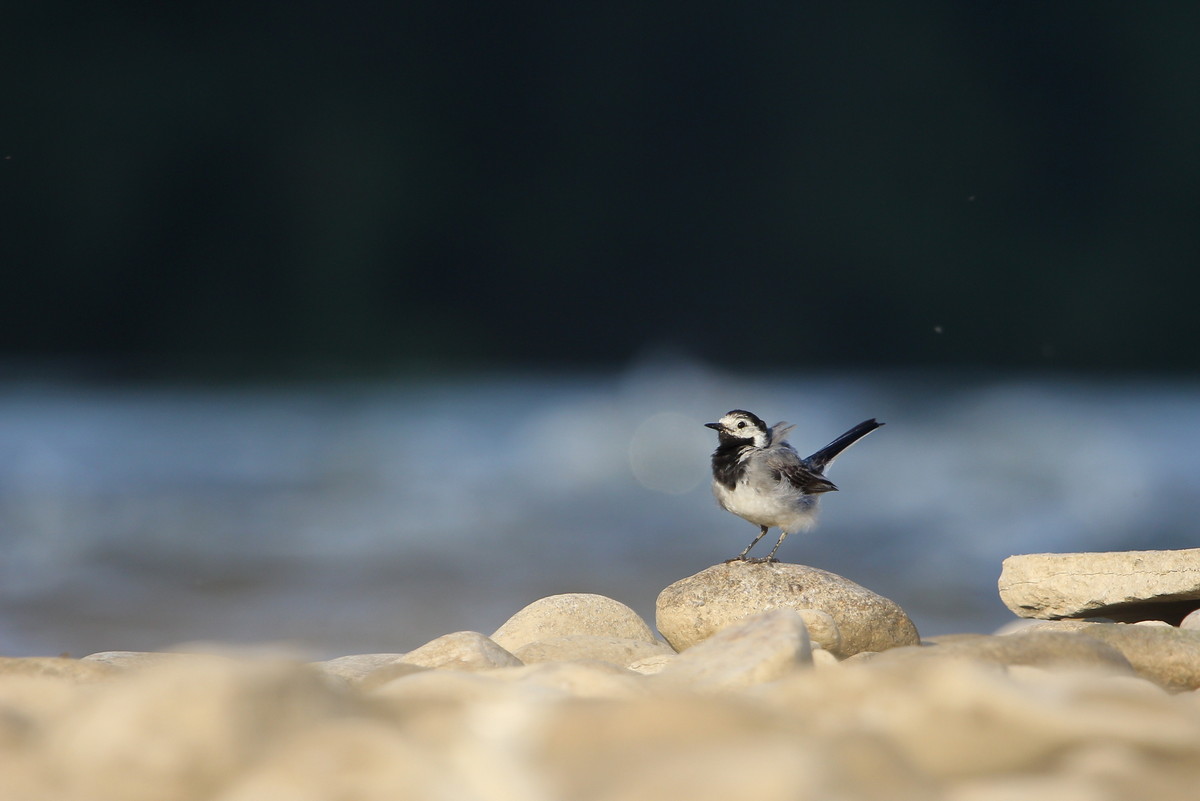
{"type": "Point", "coordinates": [695, 608]}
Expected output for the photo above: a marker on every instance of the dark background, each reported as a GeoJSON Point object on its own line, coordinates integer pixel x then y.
{"type": "Point", "coordinates": [361, 187]}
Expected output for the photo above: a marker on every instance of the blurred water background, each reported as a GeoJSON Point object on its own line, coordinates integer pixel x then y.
{"type": "Point", "coordinates": [365, 517]}
{"type": "Point", "coordinates": [349, 325]}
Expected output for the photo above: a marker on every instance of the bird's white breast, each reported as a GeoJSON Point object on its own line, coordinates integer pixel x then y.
{"type": "Point", "coordinates": [778, 504]}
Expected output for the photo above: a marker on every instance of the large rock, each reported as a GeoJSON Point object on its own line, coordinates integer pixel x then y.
{"type": "Point", "coordinates": [752, 651]}
{"type": "Point", "coordinates": [695, 608]}
{"type": "Point", "coordinates": [572, 613]}
{"type": "Point", "coordinates": [1127, 586]}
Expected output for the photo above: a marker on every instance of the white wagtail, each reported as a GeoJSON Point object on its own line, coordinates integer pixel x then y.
{"type": "Point", "coordinates": [759, 477]}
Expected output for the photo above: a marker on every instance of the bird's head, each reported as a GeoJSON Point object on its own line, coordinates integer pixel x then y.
{"type": "Point", "coordinates": [741, 427]}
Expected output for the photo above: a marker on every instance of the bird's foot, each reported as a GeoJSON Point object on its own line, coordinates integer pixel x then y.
{"type": "Point", "coordinates": [739, 558]}
{"type": "Point", "coordinates": [762, 560]}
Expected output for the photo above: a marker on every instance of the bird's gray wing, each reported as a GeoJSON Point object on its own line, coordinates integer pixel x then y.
{"type": "Point", "coordinates": [785, 465]}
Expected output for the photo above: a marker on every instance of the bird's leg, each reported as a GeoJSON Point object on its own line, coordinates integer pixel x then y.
{"type": "Point", "coordinates": [741, 557]}
{"type": "Point", "coordinates": [771, 555]}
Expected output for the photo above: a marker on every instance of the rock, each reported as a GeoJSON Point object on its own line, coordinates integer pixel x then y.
{"type": "Point", "coordinates": [576, 647]}
{"type": "Point", "coordinates": [445, 687]}
{"type": "Point", "coordinates": [652, 665]}
{"type": "Point", "coordinates": [355, 667]}
{"type": "Point", "coordinates": [742, 717]}
{"type": "Point", "coordinates": [1061, 650]}
{"type": "Point", "coordinates": [573, 613]}
{"type": "Point", "coordinates": [463, 650]}
{"type": "Point", "coordinates": [177, 731]}
{"type": "Point", "coordinates": [1192, 621]}
{"type": "Point", "coordinates": [1126, 586]}
{"type": "Point", "coordinates": [711, 748]}
{"type": "Point", "coordinates": [367, 671]}
{"type": "Point", "coordinates": [382, 675]}
{"type": "Point", "coordinates": [823, 659]}
{"type": "Point", "coordinates": [579, 679]}
{"type": "Point", "coordinates": [958, 719]}
{"type": "Point", "coordinates": [133, 659]}
{"type": "Point", "coordinates": [1165, 655]}
{"type": "Point", "coordinates": [55, 667]}
{"type": "Point", "coordinates": [823, 631]}
{"type": "Point", "coordinates": [754, 650]}
{"type": "Point", "coordinates": [694, 608]}
{"type": "Point", "coordinates": [352, 758]}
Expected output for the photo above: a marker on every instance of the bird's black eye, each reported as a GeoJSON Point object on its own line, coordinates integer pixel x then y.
{"type": "Point", "coordinates": [741, 424]}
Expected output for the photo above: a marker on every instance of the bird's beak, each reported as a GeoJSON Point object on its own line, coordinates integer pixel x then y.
{"type": "Point", "coordinates": [713, 426]}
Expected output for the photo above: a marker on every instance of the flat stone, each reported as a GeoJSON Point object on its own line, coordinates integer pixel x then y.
{"type": "Point", "coordinates": [1126, 586]}
{"type": "Point", "coordinates": [754, 650]}
{"type": "Point", "coordinates": [462, 650]}
{"type": "Point", "coordinates": [693, 609]}
{"type": "Point", "coordinates": [577, 647]}
{"type": "Point", "coordinates": [568, 614]}
{"type": "Point", "coordinates": [1167, 656]}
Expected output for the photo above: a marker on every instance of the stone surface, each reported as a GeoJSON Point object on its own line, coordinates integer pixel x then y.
{"type": "Point", "coordinates": [822, 630]}
{"type": "Point", "coordinates": [823, 659]}
{"type": "Point", "coordinates": [958, 719]}
{"type": "Point", "coordinates": [757, 649]}
{"type": "Point", "coordinates": [712, 748]}
{"type": "Point", "coordinates": [695, 608]}
{"type": "Point", "coordinates": [579, 679]}
{"type": "Point", "coordinates": [55, 667]}
{"type": "Point", "coordinates": [178, 730]}
{"type": "Point", "coordinates": [1167, 656]}
{"type": "Point", "coordinates": [572, 613]}
{"type": "Point", "coordinates": [653, 664]}
{"type": "Point", "coordinates": [1192, 621]}
{"type": "Point", "coordinates": [462, 650]}
{"type": "Point", "coordinates": [361, 759]}
{"type": "Point", "coordinates": [443, 687]}
{"type": "Point", "coordinates": [1063, 650]}
{"type": "Point", "coordinates": [355, 667]}
{"type": "Point", "coordinates": [575, 647]}
{"type": "Point", "coordinates": [133, 659]}
{"type": "Point", "coordinates": [751, 722]}
{"type": "Point", "coordinates": [1126, 586]}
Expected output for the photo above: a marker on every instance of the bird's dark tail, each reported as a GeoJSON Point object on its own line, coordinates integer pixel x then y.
{"type": "Point", "coordinates": [821, 459]}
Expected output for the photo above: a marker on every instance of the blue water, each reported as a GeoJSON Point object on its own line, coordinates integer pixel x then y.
{"type": "Point", "coordinates": [372, 517]}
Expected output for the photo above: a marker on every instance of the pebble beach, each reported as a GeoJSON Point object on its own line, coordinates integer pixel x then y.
{"type": "Point", "coordinates": [755, 681]}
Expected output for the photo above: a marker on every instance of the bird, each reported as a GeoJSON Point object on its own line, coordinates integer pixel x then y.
{"type": "Point", "coordinates": [759, 476]}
